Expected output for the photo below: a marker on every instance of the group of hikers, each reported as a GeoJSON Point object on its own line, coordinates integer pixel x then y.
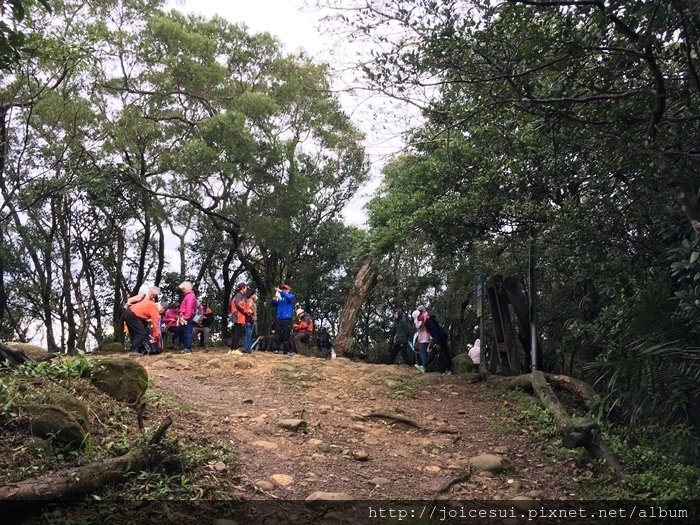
{"type": "Point", "coordinates": [190, 319]}
{"type": "Point", "coordinates": [428, 333]}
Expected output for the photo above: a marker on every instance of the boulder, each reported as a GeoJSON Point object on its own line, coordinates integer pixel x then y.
{"type": "Point", "coordinates": [73, 405]}
{"type": "Point", "coordinates": [462, 364]}
{"type": "Point", "coordinates": [112, 348]}
{"type": "Point", "coordinates": [321, 498]}
{"type": "Point", "coordinates": [123, 379]}
{"type": "Point", "coordinates": [292, 424]}
{"type": "Point", "coordinates": [33, 352]}
{"type": "Point", "coordinates": [53, 422]}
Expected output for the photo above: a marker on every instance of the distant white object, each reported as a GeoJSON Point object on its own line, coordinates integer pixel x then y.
{"type": "Point", "coordinates": [332, 354]}
{"type": "Point", "coordinates": [475, 352]}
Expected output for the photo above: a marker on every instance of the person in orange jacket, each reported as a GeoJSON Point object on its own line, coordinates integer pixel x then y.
{"type": "Point", "coordinates": [240, 313]}
{"type": "Point", "coordinates": [136, 318]}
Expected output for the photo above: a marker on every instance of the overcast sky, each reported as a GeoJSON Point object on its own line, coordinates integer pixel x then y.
{"type": "Point", "coordinates": [299, 28]}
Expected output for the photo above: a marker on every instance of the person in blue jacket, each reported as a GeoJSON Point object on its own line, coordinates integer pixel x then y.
{"type": "Point", "coordinates": [284, 302]}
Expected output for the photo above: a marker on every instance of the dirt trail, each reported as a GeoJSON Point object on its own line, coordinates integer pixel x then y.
{"type": "Point", "coordinates": [242, 399]}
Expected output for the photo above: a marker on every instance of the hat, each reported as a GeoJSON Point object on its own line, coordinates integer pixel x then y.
{"type": "Point", "coordinates": [285, 287]}
{"type": "Point", "coordinates": [300, 311]}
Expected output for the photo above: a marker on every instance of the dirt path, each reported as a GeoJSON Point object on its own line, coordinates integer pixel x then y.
{"type": "Point", "coordinates": [242, 399]}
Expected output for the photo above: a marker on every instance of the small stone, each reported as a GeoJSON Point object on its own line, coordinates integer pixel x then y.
{"type": "Point", "coordinates": [264, 485]}
{"type": "Point", "coordinates": [379, 481]}
{"type": "Point", "coordinates": [292, 424]}
{"type": "Point", "coordinates": [315, 442]}
{"type": "Point", "coordinates": [358, 428]}
{"type": "Point", "coordinates": [243, 363]}
{"type": "Point", "coordinates": [325, 447]}
{"type": "Point", "coordinates": [213, 363]}
{"type": "Point", "coordinates": [219, 466]}
{"type": "Point", "coordinates": [490, 463]}
{"type": "Point", "coordinates": [248, 401]}
{"type": "Point", "coordinates": [433, 469]}
{"type": "Point", "coordinates": [501, 450]}
{"type": "Point", "coordinates": [371, 440]}
{"type": "Point", "coordinates": [265, 444]}
{"type": "Point", "coordinates": [360, 455]}
{"type": "Point", "coordinates": [321, 497]}
{"type": "Point", "coordinates": [282, 479]}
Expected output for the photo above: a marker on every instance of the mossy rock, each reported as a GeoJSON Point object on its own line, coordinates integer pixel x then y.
{"type": "Point", "coordinates": [73, 405]}
{"type": "Point", "coordinates": [462, 364]}
{"type": "Point", "coordinates": [112, 348]}
{"type": "Point", "coordinates": [122, 379]}
{"type": "Point", "coordinates": [33, 352]}
{"type": "Point", "coordinates": [55, 423]}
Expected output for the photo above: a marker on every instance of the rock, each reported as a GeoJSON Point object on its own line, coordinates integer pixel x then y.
{"type": "Point", "coordinates": [433, 469]}
{"type": "Point", "coordinates": [282, 479]}
{"type": "Point", "coordinates": [357, 427]}
{"type": "Point", "coordinates": [53, 422]}
{"type": "Point", "coordinates": [243, 363]}
{"type": "Point", "coordinates": [72, 404]}
{"type": "Point", "coordinates": [502, 451]}
{"type": "Point", "coordinates": [123, 379]}
{"type": "Point", "coordinates": [264, 485]}
{"type": "Point", "coordinates": [248, 401]}
{"type": "Point", "coordinates": [534, 494]}
{"type": "Point", "coordinates": [378, 482]}
{"type": "Point", "coordinates": [112, 348]}
{"type": "Point", "coordinates": [33, 352]}
{"type": "Point", "coordinates": [315, 442]}
{"type": "Point", "coordinates": [369, 440]}
{"type": "Point", "coordinates": [292, 424]}
{"type": "Point", "coordinates": [325, 447]}
{"type": "Point", "coordinates": [360, 455]}
{"type": "Point", "coordinates": [323, 497]}
{"type": "Point", "coordinates": [213, 363]}
{"type": "Point", "coordinates": [462, 364]}
{"type": "Point", "coordinates": [265, 444]}
{"type": "Point", "coordinates": [490, 463]}
{"type": "Point", "coordinates": [219, 466]}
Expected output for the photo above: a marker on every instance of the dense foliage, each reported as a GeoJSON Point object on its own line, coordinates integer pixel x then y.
{"type": "Point", "coordinates": [574, 123]}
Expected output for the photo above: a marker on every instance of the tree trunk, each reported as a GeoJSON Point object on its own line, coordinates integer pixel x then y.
{"type": "Point", "coordinates": [365, 281]}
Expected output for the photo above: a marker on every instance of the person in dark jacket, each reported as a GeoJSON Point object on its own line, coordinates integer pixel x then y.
{"type": "Point", "coordinates": [401, 337]}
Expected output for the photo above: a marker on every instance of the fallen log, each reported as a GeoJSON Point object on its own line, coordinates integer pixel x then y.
{"type": "Point", "coordinates": [576, 432]}
{"type": "Point", "coordinates": [579, 388]}
{"type": "Point", "coordinates": [74, 482]}
{"type": "Point", "coordinates": [551, 402]}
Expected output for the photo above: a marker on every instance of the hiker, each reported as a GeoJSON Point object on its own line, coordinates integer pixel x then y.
{"type": "Point", "coordinates": [136, 318]}
{"type": "Point", "coordinates": [324, 343]}
{"type": "Point", "coordinates": [284, 302]}
{"type": "Point", "coordinates": [401, 336]}
{"type": "Point", "coordinates": [144, 292]}
{"type": "Point", "coordinates": [422, 342]}
{"type": "Point", "coordinates": [239, 313]}
{"type": "Point", "coordinates": [171, 326]}
{"type": "Point", "coordinates": [251, 321]}
{"type": "Point", "coordinates": [475, 352]}
{"type": "Point", "coordinates": [302, 330]}
{"type": "Point", "coordinates": [188, 307]}
{"type": "Point", "coordinates": [438, 333]}
{"type": "Point", "coordinates": [201, 331]}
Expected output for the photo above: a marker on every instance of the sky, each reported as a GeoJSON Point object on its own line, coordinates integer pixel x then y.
{"type": "Point", "coordinates": [299, 27]}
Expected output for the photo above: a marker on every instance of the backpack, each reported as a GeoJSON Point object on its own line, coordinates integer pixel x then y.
{"type": "Point", "coordinates": [324, 343]}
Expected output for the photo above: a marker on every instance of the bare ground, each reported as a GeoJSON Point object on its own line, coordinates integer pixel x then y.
{"type": "Point", "coordinates": [241, 400]}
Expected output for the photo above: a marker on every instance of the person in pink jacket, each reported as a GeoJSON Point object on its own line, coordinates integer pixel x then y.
{"type": "Point", "coordinates": [188, 307]}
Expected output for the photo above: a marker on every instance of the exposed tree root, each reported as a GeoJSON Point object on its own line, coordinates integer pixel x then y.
{"type": "Point", "coordinates": [409, 422]}
{"type": "Point", "coordinates": [459, 479]}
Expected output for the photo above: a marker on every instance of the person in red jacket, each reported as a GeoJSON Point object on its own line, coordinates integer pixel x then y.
{"type": "Point", "coordinates": [136, 318]}
{"type": "Point", "coordinates": [302, 330]}
{"type": "Point", "coordinates": [240, 313]}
